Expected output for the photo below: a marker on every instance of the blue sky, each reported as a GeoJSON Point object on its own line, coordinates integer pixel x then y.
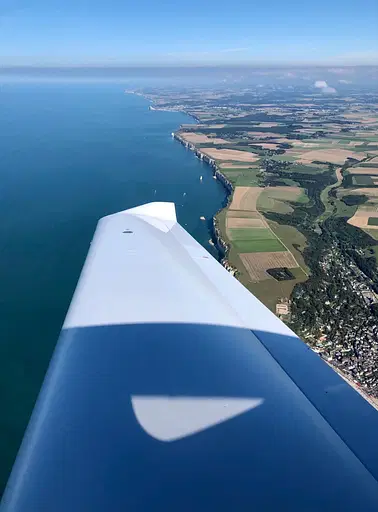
{"type": "Point", "coordinates": [153, 32]}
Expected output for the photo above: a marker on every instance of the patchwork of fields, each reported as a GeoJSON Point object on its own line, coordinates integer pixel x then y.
{"type": "Point", "coordinates": [274, 168]}
{"type": "Point", "coordinates": [255, 246]}
{"type": "Point", "coordinates": [231, 155]}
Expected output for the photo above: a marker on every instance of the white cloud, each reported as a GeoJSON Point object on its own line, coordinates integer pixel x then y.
{"type": "Point", "coordinates": [324, 87]}
{"type": "Point", "coordinates": [345, 81]}
{"type": "Point", "coordinates": [320, 84]}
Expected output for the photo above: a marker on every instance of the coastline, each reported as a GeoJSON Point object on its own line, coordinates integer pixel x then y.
{"type": "Point", "coordinates": [219, 242]}
{"type": "Point", "coordinates": [153, 106]}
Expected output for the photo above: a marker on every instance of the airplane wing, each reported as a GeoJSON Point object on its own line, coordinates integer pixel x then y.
{"type": "Point", "coordinates": [172, 388]}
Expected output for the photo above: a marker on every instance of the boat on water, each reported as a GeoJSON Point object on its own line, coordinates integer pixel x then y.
{"type": "Point", "coordinates": [201, 178]}
{"type": "Point", "coordinates": [202, 218]}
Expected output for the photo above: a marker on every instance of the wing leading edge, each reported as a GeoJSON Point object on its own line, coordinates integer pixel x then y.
{"type": "Point", "coordinates": [173, 388]}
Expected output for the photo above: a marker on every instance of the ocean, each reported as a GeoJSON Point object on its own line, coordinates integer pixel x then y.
{"type": "Point", "coordinates": [70, 154]}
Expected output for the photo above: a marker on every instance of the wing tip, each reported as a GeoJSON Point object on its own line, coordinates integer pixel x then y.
{"type": "Point", "coordinates": [165, 211]}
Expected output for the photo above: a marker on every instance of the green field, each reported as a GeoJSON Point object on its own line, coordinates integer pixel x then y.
{"type": "Point", "coordinates": [270, 290]}
{"type": "Point", "coordinates": [232, 174]}
{"type": "Point", "coordinates": [362, 179]}
{"type": "Point", "coordinates": [374, 234]}
{"type": "Point", "coordinates": [373, 221]}
{"type": "Point", "coordinates": [249, 179]}
{"type": "Point", "coordinates": [278, 200]}
{"type": "Point", "coordinates": [251, 234]}
{"type": "Point", "coordinates": [306, 169]}
{"type": "Point", "coordinates": [283, 158]}
{"type": "Point", "coordinates": [243, 177]}
{"type": "Point", "coordinates": [268, 245]}
{"type": "Point", "coordinates": [273, 205]}
{"type": "Point", "coordinates": [289, 182]}
{"type": "Point", "coordinates": [294, 240]}
{"type": "Point", "coordinates": [344, 210]}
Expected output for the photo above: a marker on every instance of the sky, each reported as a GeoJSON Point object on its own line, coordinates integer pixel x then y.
{"type": "Point", "coordinates": [199, 32]}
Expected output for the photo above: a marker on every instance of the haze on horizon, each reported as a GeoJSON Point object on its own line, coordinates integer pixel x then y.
{"type": "Point", "coordinates": [165, 34]}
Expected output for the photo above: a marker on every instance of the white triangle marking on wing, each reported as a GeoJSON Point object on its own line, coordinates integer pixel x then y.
{"type": "Point", "coordinates": [169, 418]}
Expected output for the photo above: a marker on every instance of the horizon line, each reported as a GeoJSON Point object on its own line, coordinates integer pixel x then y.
{"type": "Point", "coordinates": [178, 66]}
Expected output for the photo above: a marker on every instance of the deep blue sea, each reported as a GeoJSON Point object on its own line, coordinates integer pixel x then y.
{"type": "Point", "coordinates": [70, 154]}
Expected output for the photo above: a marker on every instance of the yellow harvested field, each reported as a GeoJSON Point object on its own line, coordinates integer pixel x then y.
{"type": "Point", "coordinates": [244, 222]}
{"type": "Point", "coordinates": [230, 154]}
{"type": "Point", "coordinates": [244, 215]}
{"type": "Point", "coordinates": [199, 126]}
{"type": "Point", "coordinates": [361, 217]}
{"type": "Point", "coordinates": [245, 198]}
{"type": "Point", "coordinates": [258, 263]}
{"type": "Point", "coordinates": [265, 145]}
{"type": "Point", "coordinates": [370, 192]}
{"type": "Point", "coordinates": [283, 193]}
{"type": "Point", "coordinates": [284, 140]}
{"type": "Point", "coordinates": [335, 156]}
{"type": "Point", "coordinates": [301, 144]}
{"type": "Point", "coordinates": [200, 138]}
{"type": "Point", "coordinates": [264, 134]}
{"type": "Point", "coordinates": [235, 166]}
{"type": "Point", "coordinates": [362, 117]}
{"type": "Point", "coordinates": [363, 170]}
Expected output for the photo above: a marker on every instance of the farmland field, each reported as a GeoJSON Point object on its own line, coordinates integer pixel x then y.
{"type": "Point", "coordinates": [307, 169]}
{"type": "Point", "coordinates": [240, 222]}
{"type": "Point", "coordinates": [274, 205]}
{"type": "Point", "coordinates": [260, 233]}
{"type": "Point", "coordinates": [235, 166]}
{"type": "Point", "coordinates": [362, 180]}
{"type": "Point", "coordinates": [248, 179]}
{"type": "Point", "coordinates": [257, 263]}
{"type": "Point", "coordinates": [267, 245]}
{"type": "Point", "coordinates": [373, 221]}
{"type": "Point", "coordinates": [269, 290]}
{"type": "Point", "coordinates": [230, 154]}
{"type": "Point", "coordinates": [363, 218]}
{"type": "Point", "coordinates": [363, 170]}
{"type": "Point", "coordinates": [294, 240]}
{"type": "Point", "coordinates": [334, 156]}
{"type": "Point", "coordinates": [273, 198]}
{"type": "Point", "coordinates": [202, 139]}
{"type": "Point", "coordinates": [245, 198]}
{"type": "Point", "coordinates": [295, 194]}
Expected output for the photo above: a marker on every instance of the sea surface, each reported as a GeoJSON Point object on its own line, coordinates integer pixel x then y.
{"type": "Point", "coordinates": [70, 154]}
